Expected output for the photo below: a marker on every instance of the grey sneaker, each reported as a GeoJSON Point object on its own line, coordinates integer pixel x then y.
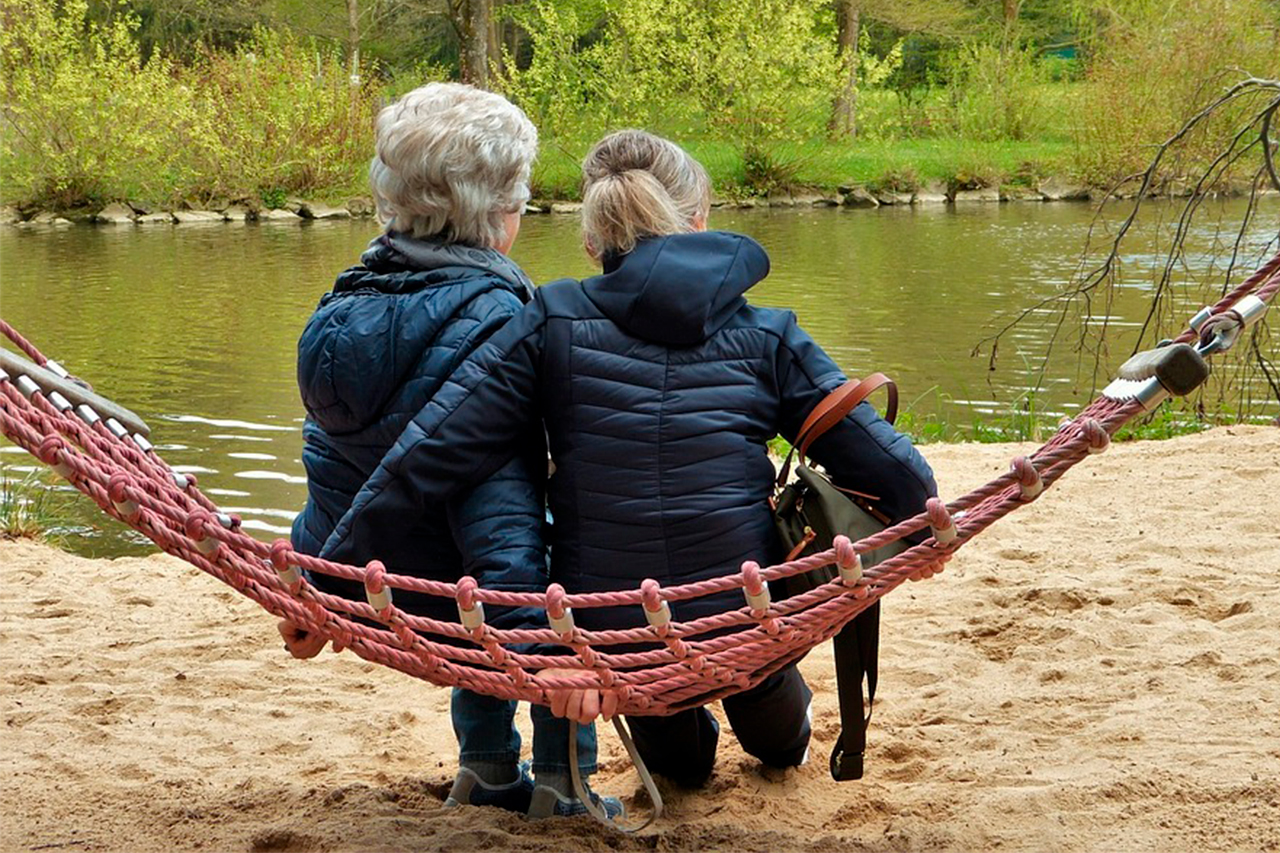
{"type": "Point", "coordinates": [548, 802]}
{"type": "Point", "coordinates": [470, 790]}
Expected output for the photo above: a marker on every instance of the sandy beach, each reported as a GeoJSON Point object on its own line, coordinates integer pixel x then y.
{"type": "Point", "coordinates": [1098, 672]}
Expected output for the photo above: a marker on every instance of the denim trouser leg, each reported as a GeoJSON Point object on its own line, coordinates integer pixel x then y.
{"type": "Point", "coordinates": [485, 728]}
{"type": "Point", "coordinates": [551, 744]}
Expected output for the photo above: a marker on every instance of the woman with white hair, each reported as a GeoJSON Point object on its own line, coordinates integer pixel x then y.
{"type": "Point", "coordinates": [660, 386]}
{"type": "Point", "coordinates": [450, 179]}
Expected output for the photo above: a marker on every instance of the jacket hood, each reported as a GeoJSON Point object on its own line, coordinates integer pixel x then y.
{"type": "Point", "coordinates": [680, 289]}
{"type": "Point", "coordinates": [398, 263]}
{"type": "Point", "coordinates": [368, 336]}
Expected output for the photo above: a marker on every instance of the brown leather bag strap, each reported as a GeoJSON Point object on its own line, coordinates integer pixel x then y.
{"type": "Point", "coordinates": [841, 402]}
{"type": "Point", "coordinates": [833, 409]}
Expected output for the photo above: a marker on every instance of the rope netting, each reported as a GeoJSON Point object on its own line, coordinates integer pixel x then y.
{"type": "Point", "coordinates": [658, 668]}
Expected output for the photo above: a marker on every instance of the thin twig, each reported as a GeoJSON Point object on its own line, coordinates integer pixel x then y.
{"type": "Point", "coordinates": [1086, 281]}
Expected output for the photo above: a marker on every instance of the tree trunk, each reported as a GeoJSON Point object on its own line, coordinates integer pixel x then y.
{"type": "Point", "coordinates": [1011, 8]}
{"type": "Point", "coordinates": [475, 47]}
{"type": "Point", "coordinates": [353, 39]}
{"type": "Point", "coordinates": [495, 43]}
{"type": "Point", "coordinates": [844, 110]}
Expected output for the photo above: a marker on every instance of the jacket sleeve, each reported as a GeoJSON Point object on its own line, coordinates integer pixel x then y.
{"type": "Point", "coordinates": [863, 452]}
{"type": "Point", "coordinates": [478, 422]}
{"type": "Point", "coordinates": [498, 524]}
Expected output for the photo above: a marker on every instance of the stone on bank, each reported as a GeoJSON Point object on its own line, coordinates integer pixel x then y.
{"type": "Point", "coordinates": [278, 215]}
{"type": "Point", "coordinates": [115, 214]}
{"type": "Point", "coordinates": [189, 217]}
{"type": "Point", "coordinates": [315, 210]}
{"type": "Point", "coordinates": [983, 194]}
{"type": "Point", "coordinates": [858, 197]}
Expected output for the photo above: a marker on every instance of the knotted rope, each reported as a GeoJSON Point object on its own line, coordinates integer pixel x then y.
{"type": "Point", "coordinates": [678, 664]}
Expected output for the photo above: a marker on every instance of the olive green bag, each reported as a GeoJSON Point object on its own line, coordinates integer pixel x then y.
{"type": "Point", "coordinates": [809, 512]}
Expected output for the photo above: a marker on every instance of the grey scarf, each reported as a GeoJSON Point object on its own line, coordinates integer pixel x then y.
{"type": "Point", "coordinates": [430, 255]}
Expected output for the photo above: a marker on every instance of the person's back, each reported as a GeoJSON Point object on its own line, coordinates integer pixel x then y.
{"type": "Point", "coordinates": [377, 349]}
{"type": "Point", "coordinates": [450, 179]}
{"type": "Point", "coordinates": [659, 387]}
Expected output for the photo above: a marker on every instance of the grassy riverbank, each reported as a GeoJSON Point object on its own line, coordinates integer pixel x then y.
{"type": "Point", "coordinates": [93, 109]}
{"type": "Point", "coordinates": [823, 166]}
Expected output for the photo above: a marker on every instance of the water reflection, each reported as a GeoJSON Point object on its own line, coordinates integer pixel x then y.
{"type": "Point", "coordinates": [195, 329]}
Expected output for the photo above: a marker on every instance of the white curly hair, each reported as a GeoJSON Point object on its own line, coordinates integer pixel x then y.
{"type": "Point", "coordinates": [451, 162]}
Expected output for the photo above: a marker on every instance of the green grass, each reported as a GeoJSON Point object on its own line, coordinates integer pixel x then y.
{"type": "Point", "coordinates": [1025, 424]}
{"type": "Point", "coordinates": [825, 165]}
{"type": "Point", "coordinates": [1170, 422]}
{"type": "Point", "coordinates": [29, 509]}
{"type": "Point", "coordinates": [899, 137]}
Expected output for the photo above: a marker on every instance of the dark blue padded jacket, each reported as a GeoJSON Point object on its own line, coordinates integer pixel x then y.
{"type": "Point", "coordinates": [659, 386]}
{"type": "Point", "coordinates": [376, 350]}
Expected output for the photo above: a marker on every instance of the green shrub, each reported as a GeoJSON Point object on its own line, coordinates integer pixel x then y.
{"type": "Point", "coordinates": [974, 173]}
{"type": "Point", "coordinates": [919, 113]}
{"type": "Point", "coordinates": [768, 169]}
{"type": "Point", "coordinates": [278, 114]}
{"type": "Point", "coordinates": [759, 74]}
{"type": "Point", "coordinates": [273, 198]}
{"type": "Point", "coordinates": [897, 179]}
{"type": "Point", "coordinates": [997, 92]}
{"type": "Point", "coordinates": [84, 117]}
{"type": "Point", "coordinates": [1154, 66]}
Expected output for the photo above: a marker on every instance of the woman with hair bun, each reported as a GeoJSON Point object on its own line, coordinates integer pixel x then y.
{"type": "Point", "coordinates": [659, 386]}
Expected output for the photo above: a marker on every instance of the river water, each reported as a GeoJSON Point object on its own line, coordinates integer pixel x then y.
{"type": "Point", "coordinates": [194, 327]}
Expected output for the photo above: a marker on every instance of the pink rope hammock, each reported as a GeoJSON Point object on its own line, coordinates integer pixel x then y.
{"type": "Point", "coordinates": [679, 664]}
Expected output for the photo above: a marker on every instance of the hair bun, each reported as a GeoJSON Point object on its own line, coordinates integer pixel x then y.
{"type": "Point", "coordinates": [659, 189]}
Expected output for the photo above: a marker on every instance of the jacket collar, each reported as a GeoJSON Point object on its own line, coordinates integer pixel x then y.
{"type": "Point", "coordinates": [395, 252]}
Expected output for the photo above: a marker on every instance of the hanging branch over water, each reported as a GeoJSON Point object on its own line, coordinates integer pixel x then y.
{"type": "Point", "coordinates": [1089, 295]}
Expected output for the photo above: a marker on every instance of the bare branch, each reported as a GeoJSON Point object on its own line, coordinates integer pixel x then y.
{"type": "Point", "coordinates": [1090, 293]}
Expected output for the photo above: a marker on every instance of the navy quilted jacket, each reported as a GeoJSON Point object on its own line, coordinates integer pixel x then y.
{"type": "Point", "coordinates": [376, 350]}
{"type": "Point", "coordinates": [659, 386]}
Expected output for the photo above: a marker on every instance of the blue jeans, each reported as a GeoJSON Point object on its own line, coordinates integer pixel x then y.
{"type": "Point", "coordinates": [486, 732]}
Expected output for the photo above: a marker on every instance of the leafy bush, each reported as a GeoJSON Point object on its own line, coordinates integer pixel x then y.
{"type": "Point", "coordinates": [566, 86]}
{"type": "Point", "coordinates": [972, 172]}
{"type": "Point", "coordinates": [757, 73]}
{"type": "Point", "coordinates": [898, 179]}
{"type": "Point", "coordinates": [278, 114]}
{"type": "Point", "coordinates": [768, 169]}
{"type": "Point", "coordinates": [1155, 65]}
{"type": "Point", "coordinates": [85, 119]}
{"type": "Point", "coordinates": [997, 92]}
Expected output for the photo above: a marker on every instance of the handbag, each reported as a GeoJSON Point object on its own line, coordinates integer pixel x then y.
{"type": "Point", "coordinates": [809, 512]}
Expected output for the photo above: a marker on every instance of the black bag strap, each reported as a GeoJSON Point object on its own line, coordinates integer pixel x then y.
{"type": "Point", "coordinates": [857, 649]}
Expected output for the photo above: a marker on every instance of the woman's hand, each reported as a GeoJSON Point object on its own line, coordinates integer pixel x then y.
{"type": "Point", "coordinates": [582, 705]}
{"type": "Point", "coordinates": [931, 569]}
{"type": "Point", "coordinates": [299, 643]}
